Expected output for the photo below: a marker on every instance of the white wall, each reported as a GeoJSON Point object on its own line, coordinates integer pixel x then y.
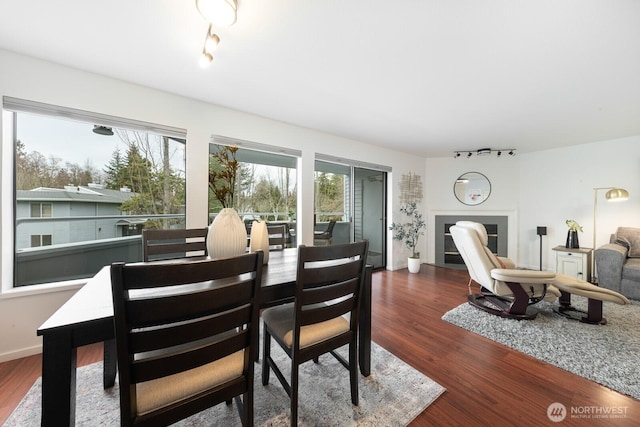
{"type": "Point", "coordinates": [28, 78]}
{"type": "Point", "coordinates": [556, 185]}
{"type": "Point", "coordinates": [504, 175]}
{"type": "Point", "coordinates": [545, 188]}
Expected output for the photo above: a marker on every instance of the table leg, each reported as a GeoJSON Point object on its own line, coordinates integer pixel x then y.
{"type": "Point", "coordinates": [58, 380]}
{"type": "Point", "coordinates": [110, 364]}
{"type": "Point", "coordinates": [365, 325]}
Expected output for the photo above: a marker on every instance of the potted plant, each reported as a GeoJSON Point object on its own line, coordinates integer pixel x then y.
{"type": "Point", "coordinates": [572, 234]}
{"type": "Point", "coordinates": [409, 232]}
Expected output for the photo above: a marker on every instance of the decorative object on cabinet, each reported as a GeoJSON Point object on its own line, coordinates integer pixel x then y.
{"type": "Point", "coordinates": [472, 188]}
{"type": "Point", "coordinates": [572, 234]}
{"type": "Point", "coordinates": [613, 195]}
{"type": "Point", "coordinates": [409, 232]}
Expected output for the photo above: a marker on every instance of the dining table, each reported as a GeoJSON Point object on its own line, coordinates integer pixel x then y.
{"type": "Point", "coordinates": [87, 318]}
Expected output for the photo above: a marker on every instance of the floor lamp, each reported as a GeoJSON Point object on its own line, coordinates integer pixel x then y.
{"type": "Point", "coordinates": [613, 195]}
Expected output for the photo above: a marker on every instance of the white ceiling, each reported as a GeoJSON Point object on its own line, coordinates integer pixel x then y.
{"type": "Point", "coordinates": [423, 76]}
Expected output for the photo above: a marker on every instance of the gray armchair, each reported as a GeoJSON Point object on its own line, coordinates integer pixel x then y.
{"type": "Point", "coordinates": [618, 263]}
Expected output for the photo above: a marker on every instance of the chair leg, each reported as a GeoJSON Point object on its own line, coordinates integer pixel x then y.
{"type": "Point", "coordinates": [353, 372]}
{"type": "Point", "coordinates": [294, 393]}
{"type": "Point", "coordinates": [266, 355]}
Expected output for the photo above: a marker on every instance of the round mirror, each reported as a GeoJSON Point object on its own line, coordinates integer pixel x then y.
{"type": "Point", "coordinates": [472, 188]}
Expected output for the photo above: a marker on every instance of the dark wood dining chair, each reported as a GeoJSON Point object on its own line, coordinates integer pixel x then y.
{"type": "Point", "coordinates": [277, 237]}
{"type": "Point", "coordinates": [186, 336]}
{"type": "Point", "coordinates": [326, 236]}
{"type": "Point", "coordinates": [174, 243]}
{"type": "Point", "coordinates": [328, 287]}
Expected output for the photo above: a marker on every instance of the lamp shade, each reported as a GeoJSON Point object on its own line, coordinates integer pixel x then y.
{"type": "Point", "coordinates": [218, 12]}
{"type": "Point", "coordinates": [617, 195]}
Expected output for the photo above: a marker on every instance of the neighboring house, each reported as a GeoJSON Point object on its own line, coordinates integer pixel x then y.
{"type": "Point", "coordinates": [34, 206]}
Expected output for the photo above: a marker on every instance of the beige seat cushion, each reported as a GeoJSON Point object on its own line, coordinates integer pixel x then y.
{"type": "Point", "coordinates": [280, 321]}
{"type": "Point", "coordinates": [161, 392]}
{"type": "Point", "coordinates": [580, 287]}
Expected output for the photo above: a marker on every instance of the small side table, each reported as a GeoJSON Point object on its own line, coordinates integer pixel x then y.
{"type": "Point", "coordinates": [574, 262]}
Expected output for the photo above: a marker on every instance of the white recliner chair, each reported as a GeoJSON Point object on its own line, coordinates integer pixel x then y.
{"type": "Point", "coordinates": [510, 292]}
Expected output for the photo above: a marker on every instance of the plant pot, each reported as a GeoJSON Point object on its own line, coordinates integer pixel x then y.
{"type": "Point", "coordinates": [572, 240]}
{"type": "Point", "coordinates": [414, 265]}
{"type": "Point", "coordinates": [227, 235]}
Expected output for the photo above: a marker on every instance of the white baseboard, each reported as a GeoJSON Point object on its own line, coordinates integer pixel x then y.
{"type": "Point", "coordinates": [30, 351]}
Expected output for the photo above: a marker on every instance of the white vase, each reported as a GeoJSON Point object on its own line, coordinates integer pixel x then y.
{"type": "Point", "coordinates": [414, 265]}
{"type": "Point", "coordinates": [260, 239]}
{"type": "Point", "coordinates": [227, 235]}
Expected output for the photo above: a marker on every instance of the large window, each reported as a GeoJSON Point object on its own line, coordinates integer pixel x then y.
{"type": "Point", "coordinates": [84, 192]}
{"type": "Point", "coordinates": [263, 185]}
{"type": "Point", "coordinates": [332, 185]}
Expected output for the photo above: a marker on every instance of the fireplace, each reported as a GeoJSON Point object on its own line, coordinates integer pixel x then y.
{"type": "Point", "coordinates": [446, 253]}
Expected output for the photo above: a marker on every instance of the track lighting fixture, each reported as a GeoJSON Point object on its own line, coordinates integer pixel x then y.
{"type": "Point", "coordinates": [216, 12]}
{"type": "Point", "coordinates": [211, 42]}
{"type": "Point", "coordinates": [205, 59]}
{"type": "Point", "coordinates": [484, 152]}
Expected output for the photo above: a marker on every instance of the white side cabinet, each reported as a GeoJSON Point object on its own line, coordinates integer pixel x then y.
{"type": "Point", "coordinates": [574, 262]}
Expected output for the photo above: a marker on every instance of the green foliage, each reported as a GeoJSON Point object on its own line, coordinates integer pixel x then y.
{"type": "Point", "coordinates": [329, 194]}
{"type": "Point", "coordinates": [409, 232]}
{"type": "Point", "coordinates": [222, 174]}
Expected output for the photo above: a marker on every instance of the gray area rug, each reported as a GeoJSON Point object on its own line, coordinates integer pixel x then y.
{"type": "Point", "coordinates": [607, 354]}
{"type": "Point", "coordinates": [393, 395]}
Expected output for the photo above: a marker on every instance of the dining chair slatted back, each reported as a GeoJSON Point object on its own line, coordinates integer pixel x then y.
{"type": "Point", "coordinates": [325, 237]}
{"type": "Point", "coordinates": [186, 336]}
{"type": "Point", "coordinates": [323, 317]}
{"type": "Point", "coordinates": [174, 243]}
{"type": "Point", "coordinates": [277, 237]}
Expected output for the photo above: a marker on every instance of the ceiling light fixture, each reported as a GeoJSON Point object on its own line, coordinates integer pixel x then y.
{"type": "Point", "coordinates": [211, 42]}
{"type": "Point", "coordinates": [205, 59]}
{"type": "Point", "coordinates": [103, 130]}
{"type": "Point", "coordinates": [218, 12]}
{"type": "Point", "coordinates": [484, 152]}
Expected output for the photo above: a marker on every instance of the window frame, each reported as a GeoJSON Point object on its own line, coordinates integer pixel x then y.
{"type": "Point", "coordinates": [10, 108]}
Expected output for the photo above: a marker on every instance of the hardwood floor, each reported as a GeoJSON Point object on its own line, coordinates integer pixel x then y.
{"type": "Point", "coordinates": [487, 383]}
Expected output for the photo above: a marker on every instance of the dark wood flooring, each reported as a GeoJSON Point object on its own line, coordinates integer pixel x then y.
{"type": "Point", "coordinates": [487, 384]}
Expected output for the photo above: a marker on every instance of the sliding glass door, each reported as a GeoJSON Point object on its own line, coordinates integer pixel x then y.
{"type": "Point", "coordinates": [369, 213]}
{"type": "Point", "coordinates": [355, 198]}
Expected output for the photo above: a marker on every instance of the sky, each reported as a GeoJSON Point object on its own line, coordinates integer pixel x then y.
{"type": "Point", "coordinates": [73, 141]}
